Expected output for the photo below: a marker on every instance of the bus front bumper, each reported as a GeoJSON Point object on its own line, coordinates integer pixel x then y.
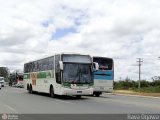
{"type": "Point", "coordinates": [69, 91]}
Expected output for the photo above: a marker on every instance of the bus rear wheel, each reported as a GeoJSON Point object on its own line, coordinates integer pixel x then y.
{"type": "Point", "coordinates": [30, 90]}
{"type": "Point", "coordinates": [52, 92]}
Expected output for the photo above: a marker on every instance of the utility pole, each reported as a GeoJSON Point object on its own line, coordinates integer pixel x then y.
{"type": "Point", "coordinates": [139, 64]}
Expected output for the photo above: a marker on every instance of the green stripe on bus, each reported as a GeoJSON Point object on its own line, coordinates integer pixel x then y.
{"type": "Point", "coordinates": [40, 75]}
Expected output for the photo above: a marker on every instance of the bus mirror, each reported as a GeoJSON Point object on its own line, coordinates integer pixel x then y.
{"type": "Point", "coordinates": [61, 65]}
{"type": "Point", "coordinates": [96, 66]}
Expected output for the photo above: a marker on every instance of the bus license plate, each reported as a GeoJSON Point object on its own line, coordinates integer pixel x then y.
{"type": "Point", "coordinates": [79, 91]}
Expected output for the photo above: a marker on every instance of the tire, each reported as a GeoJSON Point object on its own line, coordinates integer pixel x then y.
{"type": "Point", "coordinates": [97, 94]}
{"type": "Point", "coordinates": [52, 92]}
{"type": "Point", "coordinates": [78, 96]}
{"type": "Point", "coordinates": [27, 87]}
{"type": "Point", "coordinates": [30, 90]}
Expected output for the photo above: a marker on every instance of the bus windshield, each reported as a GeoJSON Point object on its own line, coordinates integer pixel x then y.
{"type": "Point", "coordinates": [104, 63]}
{"type": "Point", "coordinates": [77, 73]}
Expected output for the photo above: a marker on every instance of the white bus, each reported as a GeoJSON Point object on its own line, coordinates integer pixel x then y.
{"type": "Point", "coordinates": [61, 74]}
{"type": "Point", "coordinates": [104, 77]}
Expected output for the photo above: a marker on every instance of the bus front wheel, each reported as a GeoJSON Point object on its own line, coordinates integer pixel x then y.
{"type": "Point", "coordinates": [78, 96]}
{"type": "Point", "coordinates": [97, 94]}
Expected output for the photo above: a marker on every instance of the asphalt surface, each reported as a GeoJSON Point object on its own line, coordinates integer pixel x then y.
{"type": "Point", "coordinates": [19, 101]}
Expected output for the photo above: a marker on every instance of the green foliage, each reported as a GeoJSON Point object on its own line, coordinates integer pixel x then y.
{"type": "Point", "coordinates": [125, 84]}
{"type": "Point", "coordinates": [155, 83]}
{"type": "Point", "coordinates": [4, 72]}
{"type": "Point", "coordinates": [151, 89]}
{"type": "Point", "coordinates": [145, 83]}
{"type": "Point", "coordinates": [146, 86]}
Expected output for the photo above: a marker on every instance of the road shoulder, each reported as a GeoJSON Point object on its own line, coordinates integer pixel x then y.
{"type": "Point", "coordinates": [137, 94]}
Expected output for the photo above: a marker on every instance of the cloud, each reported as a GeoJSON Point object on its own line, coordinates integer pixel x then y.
{"type": "Point", "coordinates": [123, 30]}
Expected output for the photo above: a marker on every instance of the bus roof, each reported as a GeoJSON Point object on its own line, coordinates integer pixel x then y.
{"type": "Point", "coordinates": [102, 57]}
{"type": "Point", "coordinates": [72, 53]}
{"type": "Point", "coordinates": [63, 53]}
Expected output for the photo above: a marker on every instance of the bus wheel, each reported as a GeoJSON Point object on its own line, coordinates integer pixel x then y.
{"type": "Point", "coordinates": [97, 94]}
{"type": "Point", "coordinates": [30, 89]}
{"type": "Point", "coordinates": [52, 92]}
{"type": "Point", "coordinates": [78, 96]}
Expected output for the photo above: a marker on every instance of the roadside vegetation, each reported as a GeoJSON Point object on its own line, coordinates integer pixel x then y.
{"type": "Point", "coordinates": [132, 86]}
{"type": "Point", "coordinates": [4, 72]}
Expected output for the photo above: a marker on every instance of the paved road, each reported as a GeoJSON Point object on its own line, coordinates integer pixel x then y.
{"type": "Point", "coordinates": [18, 100]}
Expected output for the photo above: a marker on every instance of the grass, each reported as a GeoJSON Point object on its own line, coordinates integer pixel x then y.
{"type": "Point", "coordinates": [147, 91]}
{"type": "Point", "coordinates": [150, 89]}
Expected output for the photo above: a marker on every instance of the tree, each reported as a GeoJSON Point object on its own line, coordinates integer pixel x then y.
{"type": "Point", "coordinates": [155, 78]}
{"type": "Point", "coordinates": [145, 83]}
{"type": "Point", "coordinates": [4, 72]}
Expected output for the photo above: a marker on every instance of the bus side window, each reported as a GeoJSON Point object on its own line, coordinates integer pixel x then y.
{"type": "Point", "coordinates": [50, 65]}
{"type": "Point", "coordinates": [57, 69]}
{"type": "Point", "coordinates": [40, 65]}
{"type": "Point", "coordinates": [34, 66]}
{"type": "Point", "coordinates": [30, 67]}
{"type": "Point", "coordinates": [24, 68]}
{"type": "Point", "coordinates": [37, 66]}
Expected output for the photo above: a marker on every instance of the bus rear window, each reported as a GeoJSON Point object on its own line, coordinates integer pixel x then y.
{"type": "Point", "coordinates": [104, 63]}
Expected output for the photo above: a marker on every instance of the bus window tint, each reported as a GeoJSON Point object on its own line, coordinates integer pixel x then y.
{"type": "Point", "coordinates": [57, 69]}
{"type": "Point", "coordinates": [85, 73]}
{"type": "Point", "coordinates": [104, 64]}
{"type": "Point", "coordinates": [70, 73]}
{"type": "Point", "coordinates": [40, 65]}
{"type": "Point", "coordinates": [77, 73]}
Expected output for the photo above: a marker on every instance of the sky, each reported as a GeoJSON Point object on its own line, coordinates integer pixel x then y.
{"type": "Point", "coordinates": [120, 29]}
